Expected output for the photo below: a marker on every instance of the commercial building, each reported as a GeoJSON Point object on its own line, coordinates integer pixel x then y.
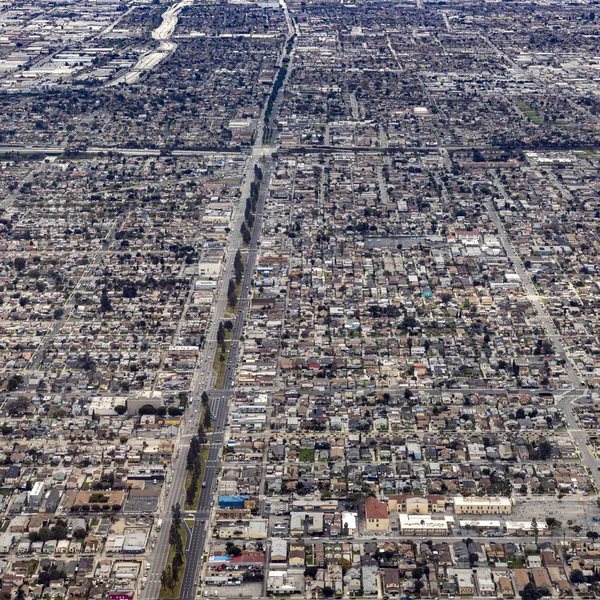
{"type": "Point", "coordinates": [424, 524]}
{"type": "Point", "coordinates": [377, 517]}
{"type": "Point", "coordinates": [482, 506]}
{"type": "Point", "coordinates": [417, 505]}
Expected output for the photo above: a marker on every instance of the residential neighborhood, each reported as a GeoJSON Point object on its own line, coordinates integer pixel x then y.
{"type": "Point", "coordinates": [299, 300]}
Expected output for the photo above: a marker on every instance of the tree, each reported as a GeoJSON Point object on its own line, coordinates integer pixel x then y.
{"type": "Point", "coordinates": [46, 576]}
{"type": "Point", "coordinates": [221, 335]}
{"type": "Point", "coordinates": [201, 434]}
{"type": "Point", "coordinates": [577, 576]}
{"type": "Point", "coordinates": [205, 399]}
{"type": "Point", "coordinates": [176, 512]}
{"type": "Point", "coordinates": [592, 535]}
{"type": "Point", "coordinates": [120, 409]}
{"type": "Point", "coordinates": [532, 592]}
{"type": "Point", "coordinates": [174, 536]}
{"type": "Point", "coordinates": [311, 572]}
{"type": "Point", "coordinates": [238, 266]}
{"type": "Point", "coordinates": [20, 263]}
{"type": "Point", "coordinates": [536, 531]}
{"type": "Point", "coordinates": [147, 409]}
{"type": "Point", "coordinates": [231, 293]}
{"type": "Point", "coordinates": [207, 421]}
{"type": "Point", "coordinates": [245, 233]}
{"type": "Point", "coordinates": [544, 450]}
{"type": "Point", "coordinates": [59, 532]}
{"type": "Point", "coordinates": [129, 291]}
{"type": "Point", "coordinates": [16, 406]}
{"type": "Point", "coordinates": [105, 304]}
{"type": "Point", "coordinates": [166, 578]}
{"type": "Point", "coordinates": [328, 591]}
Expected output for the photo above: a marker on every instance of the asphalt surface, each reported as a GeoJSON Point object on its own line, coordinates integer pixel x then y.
{"type": "Point", "coordinates": [220, 411]}
{"type": "Point", "coordinates": [567, 398]}
{"type": "Point", "coordinates": [203, 380]}
{"type": "Point", "coordinates": [161, 34]}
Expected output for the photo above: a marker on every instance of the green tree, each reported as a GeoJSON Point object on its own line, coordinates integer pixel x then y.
{"type": "Point", "coordinates": [14, 406]}
{"type": "Point", "coordinates": [176, 512]}
{"type": "Point", "coordinates": [20, 263]}
{"type": "Point", "coordinates": [245, 233]}
{"type": "Point", "coordinates": [105, 303]}
{"type": "Point", "coordinates": [544, 450]}
{"type": "Point", "coordinates": [577, 576]}
{"type": "Point", "coordinates": [535, 528]}
{"type": "Point", "coordinates": [201, 434]}
{"type": "Point", "coordinates": [221, 335]}
{"type": "Point", "coordinates": [231, 294]}
{"type": "Point", "coordinates": [238, 267]}
{"type": "Point", "coordinates": [166, 578]}
{"type": "Point", "coordinates": [207, 422]}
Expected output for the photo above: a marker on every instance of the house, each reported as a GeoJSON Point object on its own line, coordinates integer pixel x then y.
{"type": "Point", "coordinates": [464, 581]}
{"type": "Point", "coordinates": [369, 579]}
{"type": "Point", "coordinates": [485, 581]}
{"type": "Point", "coordinates": [391, 580]}
{"type": "Point", "coordinates": [278, 550]}
{"type": "Point", "coordinates": [521, 578]}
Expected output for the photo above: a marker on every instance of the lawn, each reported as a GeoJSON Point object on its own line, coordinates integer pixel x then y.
{"type": "Point", "coordinates": [188, 480]}
{"type": "Point", "coordinates": [515, 563]}
{"type": "Point", "coordinates": [166, 593]}
{"type": "Point", "coordinates": [220, 365]}
{"type": "Point", "coordinates": [530, 113]}
{"type": "Point", "coordinates": [307, 455]}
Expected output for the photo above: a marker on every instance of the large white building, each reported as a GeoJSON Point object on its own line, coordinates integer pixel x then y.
{"type": "Point", "coordinates": [424, 524]}
{"type": "Point", "coordinates": [36, 495]}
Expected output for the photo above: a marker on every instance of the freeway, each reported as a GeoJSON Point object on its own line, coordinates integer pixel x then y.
{"type": "Point", "coordinates": [267, 150]}
{"type": "Point", "coordinates": [162, 34]}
